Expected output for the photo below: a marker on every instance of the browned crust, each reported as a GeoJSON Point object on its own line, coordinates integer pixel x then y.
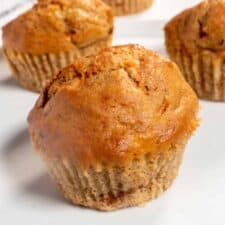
{"type": "Point", "coordinates": [195, 40]}
{"type": "Point", "coordinates": [58, 25]}
{"type": "Point", "coordinates": [197, 28]}
{"type": "Point", "coordinates": [122, 102]}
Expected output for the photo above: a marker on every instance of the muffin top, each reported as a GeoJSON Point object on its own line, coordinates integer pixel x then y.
{"type": "Point", "coordinates": [200, 27]}
{"type": "Point", "coordinates": [121, 103]}
{"type": "Point", "coordinates": [59, 25]}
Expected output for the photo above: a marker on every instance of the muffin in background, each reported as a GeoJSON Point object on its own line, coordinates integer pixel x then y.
{"type": "Point", "coordinates": [126, 7]}
{"type": "Point", "coordinates": [51, 35]}
{"type": "Point", "coordinates": [112, 127]}
{"type": "Point", "coordinates": [195, 40]}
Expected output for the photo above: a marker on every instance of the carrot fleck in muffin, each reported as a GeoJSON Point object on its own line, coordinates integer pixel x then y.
{"type": "Point", "coordinates": [52, 34]}
{"type": "Point", "coordinates": [195, 40]}
{"type": "Point", "coordinates": [112, 127]}
{"type": "Point", "coordinates": [124, 7]}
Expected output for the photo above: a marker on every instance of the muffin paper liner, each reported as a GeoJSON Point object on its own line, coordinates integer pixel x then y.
{"type": "Point", "coordinates": [112, 187]}
{"type": "Point", "coordinates": [205, 72]}
{"type": "Point", "coordinates": [128, 6]}
{"type": "Point", "coordinates": [33, 71]}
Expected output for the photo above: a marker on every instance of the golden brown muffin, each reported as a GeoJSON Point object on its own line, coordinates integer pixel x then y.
{"type": "Point", "coordinates": [112, 127]}
{"type": "Point", "coordinates": [52, 34]}
{"type": "Point", "coordinates": [195, 40]}
{"type": "Point", "coordinates": [124, 7]}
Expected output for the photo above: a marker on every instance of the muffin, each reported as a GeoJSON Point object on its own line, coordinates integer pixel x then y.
{"type": "Point", "coordinates": [51, 35]}
{"type": "Point", "coordinates": [112, 127]}
{"type": "Point", "coordinates": [195, 40]}
{"type": "Point", "coordinates": [124, 7]}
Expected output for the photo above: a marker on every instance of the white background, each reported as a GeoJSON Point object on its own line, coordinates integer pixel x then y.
{"type": "Point", "coordinates": [28, 196]}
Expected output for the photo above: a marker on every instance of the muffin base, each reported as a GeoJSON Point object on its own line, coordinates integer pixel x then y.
{"type": "Point", "coordinates": [128, 6]}
{"type": "Point", "coordinates": [109, 188]}
{"type": "Point", "coordinates": [205, 72]}
{"type": "Point", "coordinates": [33, 71]}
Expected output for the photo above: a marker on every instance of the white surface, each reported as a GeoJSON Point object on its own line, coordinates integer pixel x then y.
{"type": "Point", "coordinates": [27, 194]}
{"type": "Point", "coordinates": [18, 7]}
{"type": "Point", "coordinates": [28, 197]}
{"type": "Point", "coordinates": [164, 9]}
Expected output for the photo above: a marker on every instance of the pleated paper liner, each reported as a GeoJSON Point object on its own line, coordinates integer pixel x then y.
{"type": "Point", "coordinates": [112, 187]}
{"type": "Point", "coordinates": [128, 6]}
{"type": "Point", "coordinates": [33, 71]}
{"type": "Point", "coordinates": [205, 72]}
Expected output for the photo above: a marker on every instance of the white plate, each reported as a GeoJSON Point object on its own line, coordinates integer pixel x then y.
{"type": "Point", "coordinates": [28, 196]}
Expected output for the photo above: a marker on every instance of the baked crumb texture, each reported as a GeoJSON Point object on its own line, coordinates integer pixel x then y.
{"type": "Point", "coordinates": [125, 7]}
{"type": "Point", "coordinates": [51, 35]}
{"type": "Point", "coordinates": [112, 127]}
{"type": "Point", "coordinates": [195, 40]}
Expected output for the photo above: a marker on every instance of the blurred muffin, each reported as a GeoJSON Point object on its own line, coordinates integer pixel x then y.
{"type": "Point", "coordinates": [124, 7]}
{"type": "Point", "coordinates": [195, 40]}
{"type": "Point", "coordinates": [112, 127]}
{"type": "Point", "coordinates": [52, 34]}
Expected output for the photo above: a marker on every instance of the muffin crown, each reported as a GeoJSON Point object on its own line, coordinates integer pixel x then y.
{"type": "Point", "coordinates": [200, 27]}
{"type": "Point", "coordinates": [59, 25]}
{"type": "Point", "coordinates": [121, 103]}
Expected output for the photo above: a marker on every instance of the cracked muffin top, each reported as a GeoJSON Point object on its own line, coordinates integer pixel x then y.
{"type": "Point", "coordinates": [59, 25]}
{"type": "Point", "coordinates": [200, 27]}
{"type": "Point", "coordinates": [124, 101]}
